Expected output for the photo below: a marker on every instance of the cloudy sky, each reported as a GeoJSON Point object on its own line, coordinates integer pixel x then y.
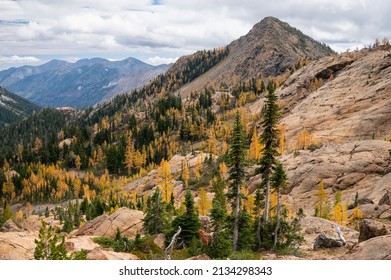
{"type": "Point", "coordinates": [159, 31]}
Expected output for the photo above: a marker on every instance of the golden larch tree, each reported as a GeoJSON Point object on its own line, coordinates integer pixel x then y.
{"type": "Point", "coordinates": [204, 203]}
{"type": "Point", "coordinates": [165, 181]}
{"type": "Point", "coordinates": [256, 148]}
{"type": "Point", "coordinates": [281, 145]}
{"type": "Point", "coordinates": [322, 208]}
{"type": "Point", "coordinates": [185, 173]}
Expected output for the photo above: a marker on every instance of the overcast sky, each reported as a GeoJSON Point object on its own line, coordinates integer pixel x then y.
{"type": "Point", "coordinates": [159, 31]}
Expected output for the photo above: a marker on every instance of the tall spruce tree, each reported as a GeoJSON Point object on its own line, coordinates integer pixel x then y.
{"type": "Point", "coordinates": [155, 220]}
{"type": "Point", "coordinates": [269, 138]}
{"type": "Point", "coordinates": [236, 159]}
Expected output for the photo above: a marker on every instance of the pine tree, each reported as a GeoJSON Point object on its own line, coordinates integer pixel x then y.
{"type": "Point", "coordinates": [236, 159]}
{"type": "Point", "coordinates": [279, 181]}
{"type": "Point", "coordinates": [155, 220]}
{"type": "Point", "coordinates": [49, 246]}
{"type": "Point", "coordinates": [188, 221]}
{"type": "Point", "coordinates": [269, 139]}
{"type": "Point", "coordinates": [220, 246]}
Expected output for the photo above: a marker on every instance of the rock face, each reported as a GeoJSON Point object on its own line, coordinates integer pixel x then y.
{"type": "Point", "coordinates": [10, 226]}
{"type": "Point", "coordinates": [370, 229]}
{"type": "Point", "coordinates": [378, 248]}
{"type": "Point", "coordinates": [326, 241]}
{"type": "Point", "coordinates": [386, 199]}
{"type": "Point", "coordinates": [128, 221]}
{"type": "Point", "coordinates": [160, 241]}
{"type": "Point", "coordinates": [352, 167]}
{"type": "Point", "coordinates": [352, 103]}
{"type": "Point", "coordinates": [17, 245]}
{"type": "Point", "coordinates": [102, 254]}
{"type": "Point", "coordinates": [31, 223]}
{"type": "Point", "coordinates": [312, 227]}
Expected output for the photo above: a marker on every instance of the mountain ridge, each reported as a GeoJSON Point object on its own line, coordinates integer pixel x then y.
{"type": "Point", "coordinates": [81, 84]}
{"type": "Point", "coordinates": [260, 51]}
{"type": "Point", "coordinates": [14, 108]}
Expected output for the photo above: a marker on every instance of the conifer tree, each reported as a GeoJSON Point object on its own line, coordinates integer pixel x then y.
{"type": "Point", "coordinates": [155, 220]}
{"type": "Point", "coordinates": [236, 159]}
{"type": "Point", "coordinates": [220, 246]}
{"type": "Point", "coordinates": [7, 213]}
{"type": "Point", "coordinates": [185, 173]}
{"type": "Point", "coordinates": [188, 221]}
{"type": "Point", "coordinates": [269, 139]}
{"type": "Point", "coordinates": [279, 181]}
{"type": "Point", "coordinates": [255, 149]}
{"type": "Point", "coordinates": [49, 246]}
{"type": "Point", "coordinates": [322, 208]}
{"type": "Point", "coordinates": [203, 202]}
{"type": "Point", "coordinates": [166, 180]}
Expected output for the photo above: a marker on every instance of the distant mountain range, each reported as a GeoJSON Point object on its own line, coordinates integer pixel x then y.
{"type": "Point", "coordinates": [13, 107]}
{"type": "Point", "coordinates": [79, 85]}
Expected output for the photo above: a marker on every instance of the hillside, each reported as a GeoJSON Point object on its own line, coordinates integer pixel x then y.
{"type": "Point", "coordinates": [14, 108]}
{"type": "Point", "coordinates": [170, 150]}
{"type": "Point", "coordinates": [80, 84]}
{"type": "Point", "coordinates": [268, 49]}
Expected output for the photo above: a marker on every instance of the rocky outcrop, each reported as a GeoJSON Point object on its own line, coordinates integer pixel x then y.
{"type": "Point", "coordinates": [351, 104]}
{"type": "Point", "coordinates": [370, 229]}
{"type": "Point", "coordinates": [326, 241]}
{"type": "Point", "coordinates": [312, 227]}
{"type": "Point", "coordinates": [373, 211]}
{"type": "Point", "coordinates": [17, 245]}
{"type": "Point", "coordinates": [352, 167]}
{"type": "Point", "coordinates": [127, 220]}
{"type": "Point", "coordinates": [104, 254]}
{"type": "Point", "coordinates": [378, 248]}
{"type": "Point", "coordinates": [160, 240]}
{"type": "Point", "coordinates": [386, 199]}
{"type": "Point", "coordinates": [10, 226]}
{"type": "Point", "coordinates": [75, 244]}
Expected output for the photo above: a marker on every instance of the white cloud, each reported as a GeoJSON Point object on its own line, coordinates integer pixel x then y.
{"type": "Point", "coordinates": [19, 59]}
{"type": "Point", "coordinates": [176, 27]}
{"type": "Point", "coordinates": [156, 60]}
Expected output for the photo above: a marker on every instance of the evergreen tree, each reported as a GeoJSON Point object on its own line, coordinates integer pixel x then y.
{"type": "Point", "coordinates": [245, 236]}
{"type": "Point", "coordinates": [155, 220]}
{"type": "Point", "coordinates": [236, 159]}
{"type": "Point", "coordinates": [220, 246]}
{"type": "Point", "coordinates": [49, 246]}
{"type": "Point", "coordinates": [188, 221]}
{"type": "Point", "coordinates": [270, 140]}
{"type": "Point", "coordinates": [279, 181]}
{"type": "Point", "coordinates": [7, 213]}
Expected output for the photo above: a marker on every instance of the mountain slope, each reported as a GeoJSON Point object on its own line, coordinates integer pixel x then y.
{"type": "Point", "coordinates": [81, 84]}
{"type": "Point", "coordinates": [269, 48]}
{"type": "Point", "coordinates": [14, 108]}
{"type": "Point", "coordinates": [351, 101]}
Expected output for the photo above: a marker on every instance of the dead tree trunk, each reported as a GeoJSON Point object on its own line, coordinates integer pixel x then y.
{"type": "Point", "coordinates": [170, 247]}
{"type": "Point", "coordinates": [278, 220]}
